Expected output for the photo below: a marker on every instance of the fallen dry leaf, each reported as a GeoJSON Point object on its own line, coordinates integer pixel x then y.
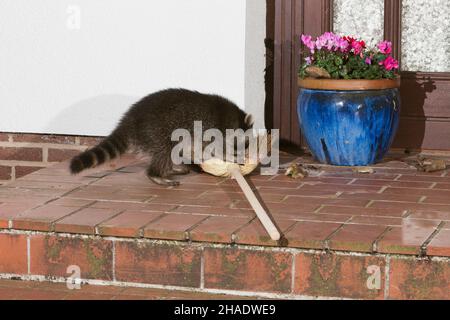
{"type": "Point", "coordinates": [430, 165]}
{"type": "Point", "coordinates": [296, 172]}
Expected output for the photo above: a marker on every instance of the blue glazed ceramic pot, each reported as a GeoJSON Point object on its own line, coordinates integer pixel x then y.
{"type": "Point", "coordinates": [350, 126]}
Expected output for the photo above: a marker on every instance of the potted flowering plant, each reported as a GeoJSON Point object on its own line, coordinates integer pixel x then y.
{"type": "Point", "coordinates": [349, 103]}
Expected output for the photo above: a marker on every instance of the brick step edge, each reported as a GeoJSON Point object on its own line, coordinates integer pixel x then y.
{"type": "Point", "coordinates": [224, 269]}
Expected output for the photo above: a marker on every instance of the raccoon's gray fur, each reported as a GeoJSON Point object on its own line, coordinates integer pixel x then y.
{"type": "Point", "coordinates": [148, 125]}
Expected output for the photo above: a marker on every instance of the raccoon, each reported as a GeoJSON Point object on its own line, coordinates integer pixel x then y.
{"type": "Point", "coordinates": [148, 126]}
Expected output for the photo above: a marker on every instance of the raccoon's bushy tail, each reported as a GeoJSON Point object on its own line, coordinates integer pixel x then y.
{"type": "Point", "coordinates": [111, 147]}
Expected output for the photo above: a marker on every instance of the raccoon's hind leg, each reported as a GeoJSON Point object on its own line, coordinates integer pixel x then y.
{"type": "Point", "coordinates": [160, 168]}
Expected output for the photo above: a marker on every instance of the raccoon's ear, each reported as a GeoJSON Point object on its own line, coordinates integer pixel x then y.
{"type": "Point", "coordinates": [249, 120]}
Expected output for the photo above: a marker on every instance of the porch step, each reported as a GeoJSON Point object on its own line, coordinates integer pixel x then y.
{"type": "Point", "coordinates": [347, 235]}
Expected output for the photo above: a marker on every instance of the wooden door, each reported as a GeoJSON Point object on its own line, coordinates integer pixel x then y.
{"type": "Point", "coordinates": [425, 119]}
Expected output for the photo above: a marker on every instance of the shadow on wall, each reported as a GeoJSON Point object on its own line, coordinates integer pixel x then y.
{"type": "Point", "coordinates": [414, 94]}
{"type": "Point", "coordinates": [92, 117]}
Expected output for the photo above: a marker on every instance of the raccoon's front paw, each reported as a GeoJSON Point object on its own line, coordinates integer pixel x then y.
{"type": "Point", "coordinates": [165, 182]}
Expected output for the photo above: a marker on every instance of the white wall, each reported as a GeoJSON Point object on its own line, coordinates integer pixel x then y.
{"type": "Point", "coordinates": [255, 60]}
{"type": "Point", "coordinates": [55, 78]}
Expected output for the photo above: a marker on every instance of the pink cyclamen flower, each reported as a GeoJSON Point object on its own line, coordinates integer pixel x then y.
{"type": "Point", "coordinates": [358, 47]}
{"type": "Point", "coordinates": [390, 63]}
{"type": "Point", "coordinates": [307, 41]}
{"type": "Point", "coordinates": [309, 60]}
{"type": "Point", "coordinates": [385, 47]}
{"type": "Point", "coordinates": [368, 60]}
{"type": "Point", "coordinates": [343, 45]}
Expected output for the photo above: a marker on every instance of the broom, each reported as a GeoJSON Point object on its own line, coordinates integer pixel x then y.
{"type": "Point", "coordinates": [220, 168]}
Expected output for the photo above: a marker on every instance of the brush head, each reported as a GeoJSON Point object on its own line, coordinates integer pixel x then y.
{"type": "Point", "coordinates": [220, 168]}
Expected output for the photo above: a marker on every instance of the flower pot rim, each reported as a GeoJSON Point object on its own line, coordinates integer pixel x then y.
{"type": "Point", "coordinates": [349, 85]}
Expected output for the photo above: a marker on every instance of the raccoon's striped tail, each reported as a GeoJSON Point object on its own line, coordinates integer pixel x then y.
{"type": "Point", "coordinates": [111, 147]}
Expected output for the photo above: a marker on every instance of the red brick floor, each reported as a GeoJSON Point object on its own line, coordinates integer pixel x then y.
{"type": "Point", "coordinates": [395, 220]}
{"type": "Point", "coordinates": [26, 290]}
{"type": "Point", "coordinates": [394, 210]}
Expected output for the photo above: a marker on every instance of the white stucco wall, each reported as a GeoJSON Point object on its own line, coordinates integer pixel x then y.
{"type": "Point", "coordinates": [74, 66]}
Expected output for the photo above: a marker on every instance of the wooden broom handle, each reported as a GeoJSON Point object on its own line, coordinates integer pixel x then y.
{"type": "Point", "coordinates": [260, 212]}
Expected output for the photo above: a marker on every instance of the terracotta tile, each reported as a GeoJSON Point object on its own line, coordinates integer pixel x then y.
{"type": "Point", "coordinates": [281, 192]}
{"type": "Point", "coordinates": [432, 193]}
{"type": "Point", "coordinates": [291, 184]}
{"type": "Point", "coordinates": [38, 176]}
{"type": "Point", "coordinates": [163, 192]}
{"type": "Point", "coordinates": [84, 221]}
{"type": "Point", "coordinates": [377, 221]}
{"type": "Point", "coordinates": [13, 254]}
{"type": "Point", "coordinates": [66, 186]}
{"type": "Point", "coordinates": [444, 186]}
{"type": "Point", "coordinates": [390, 183]}
{"type": "Point", "coordinates": [356, 237]}
{"type": "Point", "coordinates": [437, 200]}
{"type": "Point", "coordinates": [158, 264]}
{"type": "Point", "coordinates": [323, 217]}
{"type": "Point", "coordinates": [285, 208]}
{"type": "Point", "coordinates": [217, 229]}
{"type": "Point", "coordinates": [223, 187]}
{"type": "Point", "coordinates": [172, 226]}
{"type": "Point", "coordinates": [326, 180]}
{"type": "Point", "coordinates": [330, 275]}
{"type": "Point", "coordinates": [440, 245]}
{"type": "Point", "coordinates": [214, 211]}
{"type": "Point", "coordinates": [40, 219]}
{"type": "Point", "coordinates": [127, 224]}
{"type": "Point", "coordinates": [351, 189]}
{"type": "Point", "coordinates": [237, 269]}
{"type": "Point", "coordinates": [109, 195]}
{"type": "Point", "coordinates": [413, 279]}
{"type": "Point", "coordinates": [409, 206]}
{"type": "Point", "coordinates": [10, 210]}
{"type": "Point", "coordinates": [405, 197]}
{"type": "Point", "coordinates": [375, 212]}
{"type": "Point", "coordinates": [220, 195]}
{"type": "Point", "coordinates": [430, 215]}
{"type": "Point", "coordinates": [310, 235]}
{"type": "Point", "coordinates": [204, 201]}
{"type": "Point", "coordinates": [24, 197]}
{"type": "Point", "coordinates": [255, 233]}
{"type": "Point", "coordinates": [377, 175]}
{"type": "Point", "coordinates": [132, 206]}
{"type": "Point", "coordinates": [314, 192]}
{"type": "Point", "coordinates": [424, 178]}
{"type": "Point", "coordinates": [204, 179]}
{"type": "Point", "coordinates": [52, 255]}
{"type": "Point", "coordinates": [293, 200]}
{"type": "Point", "coordinates": [74, 203]}
{"type": "Point", "coordinates": [407, 239]}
